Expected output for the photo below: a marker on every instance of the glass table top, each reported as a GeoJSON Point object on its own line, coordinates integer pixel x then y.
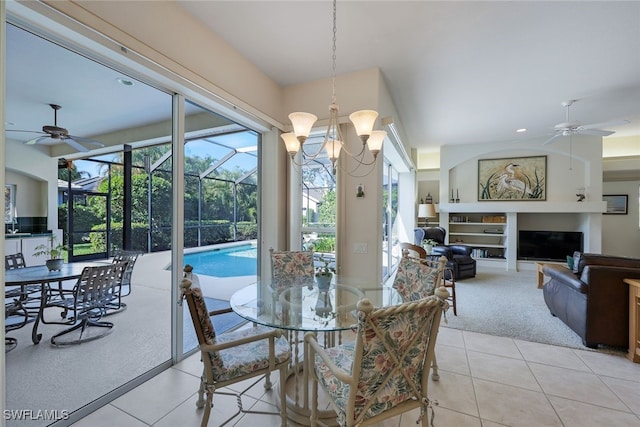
{"type": "Point", "coordinates": [305, 307]}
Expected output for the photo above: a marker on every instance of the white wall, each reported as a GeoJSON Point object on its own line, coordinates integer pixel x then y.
{"type": "Point", "coordinates": [621, 233]}
{"type": "Point", "coordinates": [36, 175]}
{"type": "Point", "coordinates": [570, 164]}
{"type": "Point", "coordinates": [568, 167]}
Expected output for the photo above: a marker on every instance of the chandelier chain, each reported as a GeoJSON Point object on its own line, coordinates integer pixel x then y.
{"type": "Point", "coordinates": [334, 143]}
{"type": "Point", "coordinates": [333, 54]}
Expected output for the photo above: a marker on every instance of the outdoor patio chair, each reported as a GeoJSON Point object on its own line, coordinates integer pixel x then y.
{"type": "Point", "coordinates": [28, 293]}
{"type": "Point", "coordinates": [131, 257]}
{"type": "Point", "coordinates": [83, 307]}
{"type": "Point", "coordinates": [385, 371]}
{"type": "Point", "coordinates": [15, 315]}
{"type": "Point", "coordinates": [13, 261]}
{"type": "Point", "coordinates": [21, 303]}
{"type": "Point", "coordinates": [231, 357]}
{"type": "Point", "coordinates": [125, 286]}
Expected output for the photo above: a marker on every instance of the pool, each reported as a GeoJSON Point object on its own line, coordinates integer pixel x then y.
{"type": "Point", "coordinates": [227, 262]}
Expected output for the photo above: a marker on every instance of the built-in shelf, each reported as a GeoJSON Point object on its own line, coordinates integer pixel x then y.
{"type": "Point", "coordinates": [484, 232]}
{"type": "Point", "coordinates": [464, 222]}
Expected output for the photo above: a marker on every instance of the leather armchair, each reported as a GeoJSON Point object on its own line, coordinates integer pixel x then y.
{"type": "Point", "coordinates": [459, 258]}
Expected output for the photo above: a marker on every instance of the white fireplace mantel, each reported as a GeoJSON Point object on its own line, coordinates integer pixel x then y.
{"type": "Point", "coordinates": [525, 207]}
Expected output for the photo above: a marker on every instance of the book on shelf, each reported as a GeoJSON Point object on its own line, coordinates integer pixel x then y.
{"type": "Point", "coordinates": [493, 231]}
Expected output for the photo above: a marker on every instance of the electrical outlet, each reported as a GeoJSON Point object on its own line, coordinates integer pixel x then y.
{"type": "Point", "coordinates": [359, 248]}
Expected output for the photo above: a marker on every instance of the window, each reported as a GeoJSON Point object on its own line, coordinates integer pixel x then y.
{"type": "Point", "coordinates": [318, 201]}
{"type": "Point", "coordinates": [390, 246]}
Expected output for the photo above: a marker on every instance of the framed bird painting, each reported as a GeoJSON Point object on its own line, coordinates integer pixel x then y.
{"type": "Point", "coordinates": [515, 178]}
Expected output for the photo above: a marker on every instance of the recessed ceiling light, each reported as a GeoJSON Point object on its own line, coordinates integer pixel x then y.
{"type": "Point", "coordinates": [124, 82]}
{"type": "Point", "coordinates": [521, 130]}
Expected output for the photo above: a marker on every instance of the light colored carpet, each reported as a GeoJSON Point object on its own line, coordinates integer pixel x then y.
{"type": "Point", "coordinates": [508, 304]}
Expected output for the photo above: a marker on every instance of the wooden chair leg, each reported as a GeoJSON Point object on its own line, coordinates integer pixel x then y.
{"type": "Point", "coordinates": [434, 369]}
{"type": "Point", "coordinates": [207, 408]}
{"type": "Point", "coordinates": [283, 396]}
{"type": "Point", "coordinates": [200, 401]}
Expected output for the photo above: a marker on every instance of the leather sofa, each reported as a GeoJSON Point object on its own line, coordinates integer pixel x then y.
{"type": "Point", "coordinates": [459, 258]}
{"type": "Point", "coordinates": [592, 298]}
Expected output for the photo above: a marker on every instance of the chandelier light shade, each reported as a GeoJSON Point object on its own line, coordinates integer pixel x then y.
{"type": "Point", "coordinates": [375, 141]}
{"type": "Point", "coordinates": [363, 122]}
{"type": "Point", "coordinates": [333, 148]}
{"type": "Point", "coordinates": [291, 142]}
{"type": "Point", "coordinates": [302, 124]}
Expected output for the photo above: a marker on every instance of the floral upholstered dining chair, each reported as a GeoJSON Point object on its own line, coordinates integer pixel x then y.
{"type": "Point", "coordinates": [385, 372]}
{"type": "Point", "coordinates": [291, 268]}
{"type": "Point", "coordinates": [235, 356]}
{"type": "Point", "coordinates": [418, 278]}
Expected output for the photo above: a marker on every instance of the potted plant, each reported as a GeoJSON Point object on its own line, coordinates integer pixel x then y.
{"type": "Point", "coordinates": [324, 274]}
{"type": "Point", "coordinates": [428, 244]}
{"type": "Point", "coordinates": [53, 251]}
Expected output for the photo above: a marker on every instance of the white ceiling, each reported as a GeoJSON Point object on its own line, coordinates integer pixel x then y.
{"type": "Point", "coordinates": [458, 72]}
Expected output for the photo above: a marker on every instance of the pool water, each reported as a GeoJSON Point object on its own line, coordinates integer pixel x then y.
{"type": "Point", "coordinates": [228, 262]}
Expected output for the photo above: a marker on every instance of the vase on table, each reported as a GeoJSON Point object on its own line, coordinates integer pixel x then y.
{"type": "Point", "coordinates": [54, 264]}
{"type": "Point", "coordinates": [324, 281]}
{"type": "Point", "coordinates": [324, 307]}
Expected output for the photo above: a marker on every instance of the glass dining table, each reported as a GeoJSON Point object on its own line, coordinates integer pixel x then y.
{"type": "Point", "coordinates": [42, 276]}
{"type": "Point", "coordinates": [299, 309]}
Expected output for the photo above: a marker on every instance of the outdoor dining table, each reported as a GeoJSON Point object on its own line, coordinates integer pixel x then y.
{"type": "Point", "coordinates": [306, 308]}
{"type": "Point", "coordinates": [40, 275]}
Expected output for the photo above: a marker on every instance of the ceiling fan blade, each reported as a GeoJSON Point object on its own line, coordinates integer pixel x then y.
{"type": "Point", "coordinates": [73, 144]}
{"type": "Point", "coordinates": [86, 140]}
{"type": "Point", "coordinates": [605, 125]}
{"type": "Point", "coordinates": [24, 131]}
{"type": "Point", "coordinates": [596, 132]}
{"type": "Point", "coordinates": [39, 139]}
{"type": "Point", "coordinates": [557, 135]}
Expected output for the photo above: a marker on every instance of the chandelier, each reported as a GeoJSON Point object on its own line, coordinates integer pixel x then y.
{"type": "Point", "coordinates": [333, 143]}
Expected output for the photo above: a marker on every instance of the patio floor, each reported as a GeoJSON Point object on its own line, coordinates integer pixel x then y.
{"type": "Point", "coordinates": [40, 377]}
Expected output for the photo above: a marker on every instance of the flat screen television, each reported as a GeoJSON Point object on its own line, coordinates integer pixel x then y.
{"type": "Point", "coordinates": [548, 245]}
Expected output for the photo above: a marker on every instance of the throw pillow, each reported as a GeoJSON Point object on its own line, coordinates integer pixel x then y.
{"type": "Point", "coordinates": [576, 261]}
{"type": "Point", "coordinates": [570, 262]}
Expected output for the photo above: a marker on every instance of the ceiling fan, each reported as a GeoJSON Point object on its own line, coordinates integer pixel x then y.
{"type": "Point", "coordinates": [55, 134]}
{"type": "Point", "coordinates": [574, 127]}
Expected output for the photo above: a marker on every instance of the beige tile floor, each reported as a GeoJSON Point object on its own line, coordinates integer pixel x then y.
{"type": "Point", "coordinates": [484, 381]}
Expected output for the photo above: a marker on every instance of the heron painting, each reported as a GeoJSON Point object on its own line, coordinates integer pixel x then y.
{"type": "Point", "coordinates": [516, 178]}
